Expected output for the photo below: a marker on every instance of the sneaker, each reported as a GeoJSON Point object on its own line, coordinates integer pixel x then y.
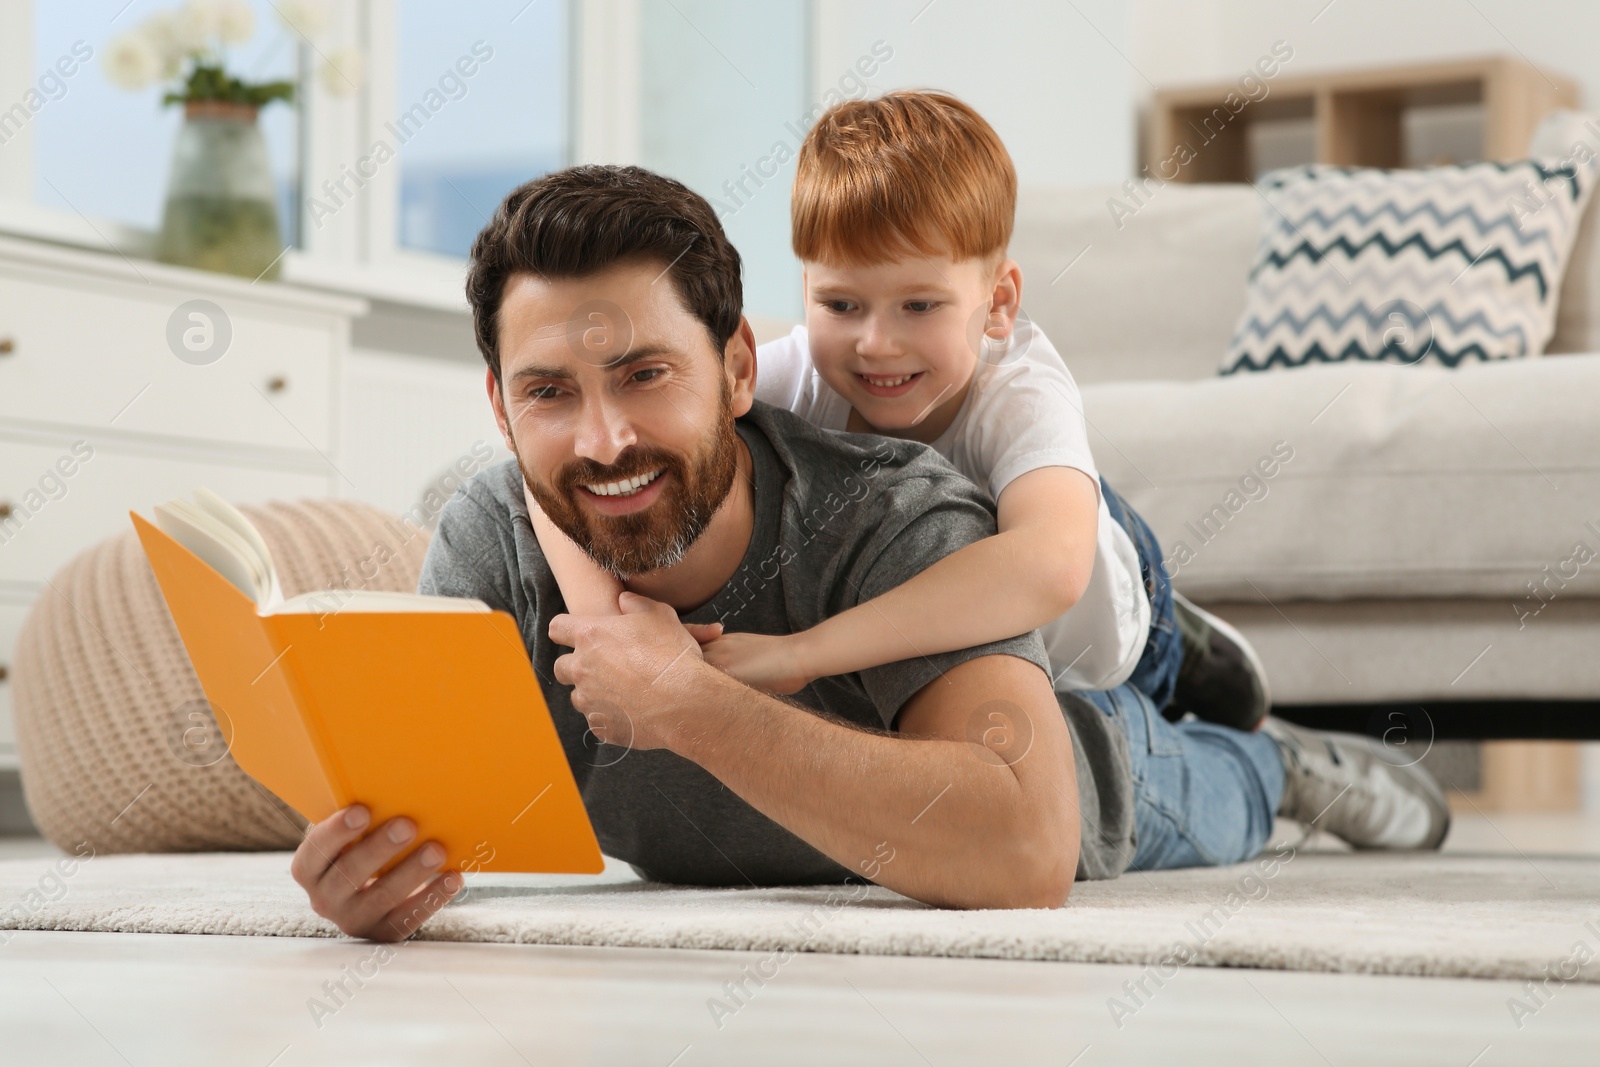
{"type": "Point", "coordinates": [1355, 788]}
{"type": "Point", "coordinates": [1221, 679]}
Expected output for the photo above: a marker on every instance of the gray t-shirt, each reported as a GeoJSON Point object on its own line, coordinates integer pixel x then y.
{"type": "Point", "coordinates": [839, 519]}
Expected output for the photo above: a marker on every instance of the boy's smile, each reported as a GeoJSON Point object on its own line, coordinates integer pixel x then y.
{"type": "Point", "coordinates": [897, 385]}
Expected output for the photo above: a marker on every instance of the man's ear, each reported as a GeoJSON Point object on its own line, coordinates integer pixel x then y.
{"type": "Point", "coordinates": [739, 364]}
{"type": "Point", "coordinates": [497, 402]}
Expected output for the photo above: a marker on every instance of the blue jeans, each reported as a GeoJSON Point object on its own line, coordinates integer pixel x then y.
{"type": "Point", "coordinates": [1157, 672]}
{"type": "Point", "coordinates": [1204, 795]}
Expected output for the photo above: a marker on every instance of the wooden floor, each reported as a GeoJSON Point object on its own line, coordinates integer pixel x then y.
{"type": "Point", "coordinates": [88, 999]}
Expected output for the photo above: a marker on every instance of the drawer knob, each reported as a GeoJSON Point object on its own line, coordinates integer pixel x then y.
{"type": "Point", "coordinates": [4, 672]}
{"type": "Point", "coordinates": [7, 346]}
{"type": "Point", "coordinates": [277, 385]}
{"type": "Point", "coordinates": [5, 510]}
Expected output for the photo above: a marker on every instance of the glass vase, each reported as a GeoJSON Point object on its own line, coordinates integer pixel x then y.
{"type": "Point", "coordinates": [221, 213]}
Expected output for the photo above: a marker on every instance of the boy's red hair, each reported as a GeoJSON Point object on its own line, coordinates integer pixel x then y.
{"type": "Point", "coordinates": [914, 171]}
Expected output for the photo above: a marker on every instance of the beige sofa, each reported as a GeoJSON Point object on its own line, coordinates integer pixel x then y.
{"type": "Point", "coordinates": [1426, 550]}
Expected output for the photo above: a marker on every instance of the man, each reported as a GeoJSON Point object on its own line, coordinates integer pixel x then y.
{"type": "Point", "coordinates": [607, 305]}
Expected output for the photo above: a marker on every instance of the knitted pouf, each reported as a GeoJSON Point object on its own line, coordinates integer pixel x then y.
{"type": "Point", "coordinates": [118, 745]}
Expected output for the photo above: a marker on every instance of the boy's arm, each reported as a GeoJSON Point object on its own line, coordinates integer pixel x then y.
{"type": "Point", "coordinates": [1030, 573]}
{"type": "Point", "coordinates": [585, 586]}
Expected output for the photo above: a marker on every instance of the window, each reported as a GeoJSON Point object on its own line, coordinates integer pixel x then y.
{"type": "Point", "coordinates": [380, 192]}
{"type": "Point", "coordinates": [481, 102]}
{"type": "Point", "coordinates": [723, 106]}
{"type": "Point", "coordinates": [104, 152]}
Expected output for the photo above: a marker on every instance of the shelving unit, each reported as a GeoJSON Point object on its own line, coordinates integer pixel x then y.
{"type": "Point", "coordinates": [1357, 114]}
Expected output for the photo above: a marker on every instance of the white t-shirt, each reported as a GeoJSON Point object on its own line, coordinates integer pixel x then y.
{"type": "Point", "coordinates": [1022, 411]}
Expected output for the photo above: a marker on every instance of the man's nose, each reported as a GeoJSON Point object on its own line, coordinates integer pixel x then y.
{"type": "Point", "coordinates": [604, 430]}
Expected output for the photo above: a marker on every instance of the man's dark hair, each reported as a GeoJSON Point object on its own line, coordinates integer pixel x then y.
{"type": "Point", "coordinates": [576, 222]}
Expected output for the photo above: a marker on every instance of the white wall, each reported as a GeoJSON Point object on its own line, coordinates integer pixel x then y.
{"type": "Point", "coordinates": [1175, 41]}
{"type": "Point", "coordinates": [404, 421]}
{"type": "Point", "coordinates": [1053, 78]}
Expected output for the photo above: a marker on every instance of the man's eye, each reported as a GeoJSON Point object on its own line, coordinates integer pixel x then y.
{"type": "Point", "coordinates": [652, 371]}
{"type": "Point", "coordinates": [543, 392]}
{"type": "Point", "coordinates": [921, 306]}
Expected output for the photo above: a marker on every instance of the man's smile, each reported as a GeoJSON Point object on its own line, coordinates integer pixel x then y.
{"type": "Point", "coordinates": [624, 497]}
{"type": "Point", "coordinates": [625, 487]}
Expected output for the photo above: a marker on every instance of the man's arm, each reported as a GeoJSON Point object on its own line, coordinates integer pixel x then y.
{"type": "Point", "coordinates": [975, 798]}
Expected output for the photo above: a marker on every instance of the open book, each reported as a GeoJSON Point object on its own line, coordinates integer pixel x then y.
{"type": "Point", "coordinates": [413, 705]}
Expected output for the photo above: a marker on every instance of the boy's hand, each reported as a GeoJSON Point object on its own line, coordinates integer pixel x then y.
{"type": "Point", "coordinates": [704, 632]}
{"type": "Point", "coordinates": [338, 858]}
{"type": "Point", "coordinates": [765, 661]}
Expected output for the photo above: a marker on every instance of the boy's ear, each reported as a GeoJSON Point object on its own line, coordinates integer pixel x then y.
{"type": "Point", "coordinates": [1005, 301]}
{"type": "Point", "coordinates": [739, 364]}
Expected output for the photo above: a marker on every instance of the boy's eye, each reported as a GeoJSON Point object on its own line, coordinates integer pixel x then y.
{"type": "Point", "coordinates": [921, 306]}
{"type": "Point", "coordinates": [838, 307]}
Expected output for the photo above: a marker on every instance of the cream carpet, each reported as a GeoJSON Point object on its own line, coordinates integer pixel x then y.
{"type": "Point", "coordinates": [1455, 914]}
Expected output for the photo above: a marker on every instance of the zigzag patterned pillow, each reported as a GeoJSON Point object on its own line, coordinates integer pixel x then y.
{"type": "Point", "coordinates": [1438, 265]}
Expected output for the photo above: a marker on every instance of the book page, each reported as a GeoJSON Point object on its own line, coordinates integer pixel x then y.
{"type": "Point", "coordinates": [334, 601]}
{"type": "Point", "coordinates": [235, 520]}
{"type": "Point", "coordinates": [227, 553]}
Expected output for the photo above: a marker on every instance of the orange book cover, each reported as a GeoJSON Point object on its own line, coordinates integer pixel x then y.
{"type": "Point", "coordinates": [433, 715]}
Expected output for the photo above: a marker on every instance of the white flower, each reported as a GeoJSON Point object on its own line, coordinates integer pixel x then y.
{"type": "Point", "coordinates": [131, 61]}
{"type": "Point", "coordinates": [166, 40]}
{"type": "Point", "coordinates": [308, 18]}
{"type": "Point", "coordinates": [191, 28]}
{"type": "Point", "coordinates": [235, 21]}
{"type": "Point", "coordinates": [344, 71]}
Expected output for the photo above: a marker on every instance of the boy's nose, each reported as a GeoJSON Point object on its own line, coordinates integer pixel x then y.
{"type": "Point", "coordinates": [877, 338]}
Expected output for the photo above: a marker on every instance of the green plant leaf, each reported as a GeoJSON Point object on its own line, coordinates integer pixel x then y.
{"type": "Point", "coordinates": [209, 81]}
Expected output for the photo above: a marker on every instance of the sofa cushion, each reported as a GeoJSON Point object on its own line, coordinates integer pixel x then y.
{"type": "Point", "coordinates": [1371, 651]}
{"type": "Point", "coordinates": [1575, 135]}
{"type": "Point", "coordinates": [1366, 480]}
{"type": "Point", "coordinates": [1439, 265]}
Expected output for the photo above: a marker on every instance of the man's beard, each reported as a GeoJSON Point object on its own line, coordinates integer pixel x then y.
{"type": "Point", "coordinates": [661, 534]}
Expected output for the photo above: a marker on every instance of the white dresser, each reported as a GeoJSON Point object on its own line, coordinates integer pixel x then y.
{"type": "Point", "coordinates": [125, 382]}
